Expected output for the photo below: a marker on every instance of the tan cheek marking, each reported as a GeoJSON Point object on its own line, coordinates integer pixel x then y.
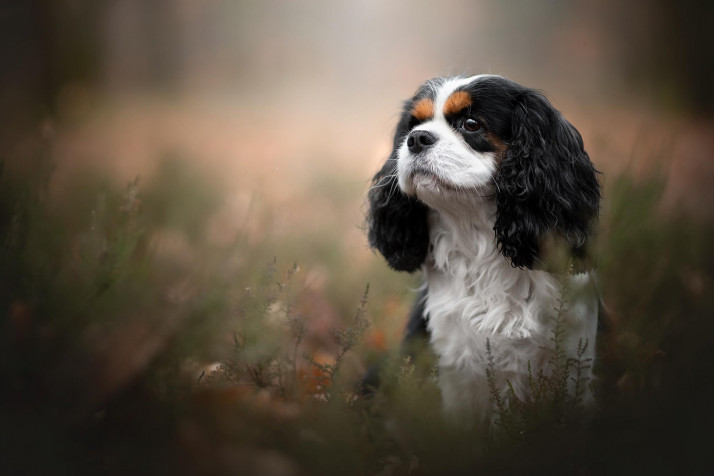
{"type": "Point", "coordinates": [423, 109]}
{"type": "Point", "coordinates": [498, 144]}
{"type": "Point", "coordinates": [456, 102]}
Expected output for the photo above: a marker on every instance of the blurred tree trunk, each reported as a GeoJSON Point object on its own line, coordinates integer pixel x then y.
{"type": "Point", "coordinates": [44, 45]}
{"type": "Point", "coordinates": [666, 47]}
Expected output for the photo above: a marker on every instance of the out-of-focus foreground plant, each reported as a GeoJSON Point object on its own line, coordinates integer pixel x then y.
{"type": "Point", "coordinates": [131, 344]}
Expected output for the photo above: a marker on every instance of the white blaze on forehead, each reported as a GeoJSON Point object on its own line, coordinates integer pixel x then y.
{"type": "Point", "coordinates": [447, 88]}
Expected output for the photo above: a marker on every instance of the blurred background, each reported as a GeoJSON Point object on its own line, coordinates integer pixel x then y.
{"type": "Point", "coordinates": [276, 97]}
{"type": "Point", "coordinates": [254, 128]}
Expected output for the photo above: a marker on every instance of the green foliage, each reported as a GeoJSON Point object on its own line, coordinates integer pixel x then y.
{"type": "Point", "coordinates": [346, 340]}
{"type": "Point", "coordinates": [131, 344]}
{"type": "Point", "coordinates": [552, 402]}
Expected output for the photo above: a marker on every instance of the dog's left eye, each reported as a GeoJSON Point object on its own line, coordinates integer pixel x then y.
{"type": "Point", "coordinates": [470, 124]}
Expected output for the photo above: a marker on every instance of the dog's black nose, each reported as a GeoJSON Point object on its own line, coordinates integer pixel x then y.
{"type": "Point", "coordinates": [420, 140]}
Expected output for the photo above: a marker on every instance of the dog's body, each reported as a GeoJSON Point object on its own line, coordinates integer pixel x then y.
{"type": "Point", "coordinates": [484, 172]}
{"type": "Point", "coordinates": [475, 295]}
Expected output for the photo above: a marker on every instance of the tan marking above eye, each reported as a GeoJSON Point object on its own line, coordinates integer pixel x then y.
{"type": "Point", "coordinates": [423, 109]}
{"type": "Point", "coordinates": [456, 102]}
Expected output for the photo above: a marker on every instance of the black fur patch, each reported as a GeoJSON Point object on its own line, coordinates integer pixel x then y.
{"type": "Point", "coordinates": [546, 183]}
{"type": "Point", "coordinates": [397, 223]}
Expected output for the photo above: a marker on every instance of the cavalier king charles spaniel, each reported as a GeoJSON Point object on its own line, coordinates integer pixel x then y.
{"type": "Point", "coordinates": [487, 182]}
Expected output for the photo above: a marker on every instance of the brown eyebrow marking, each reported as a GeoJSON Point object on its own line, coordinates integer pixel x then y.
{"type": "Point", "coordinates": [456, 102]}
{"type": "Point", "coordinates": [423, 109]}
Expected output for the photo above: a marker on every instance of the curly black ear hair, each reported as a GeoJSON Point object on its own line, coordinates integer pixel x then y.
{"type": "Point", "coordinates": [546, 183]}
{"type": "Point", "coordinates": [397, 223]}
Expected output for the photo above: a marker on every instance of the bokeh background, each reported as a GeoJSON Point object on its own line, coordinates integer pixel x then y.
{"type": "Point", "coordinates": [276, 97]}
{"type": "Point", "coordinates": [254, 128]}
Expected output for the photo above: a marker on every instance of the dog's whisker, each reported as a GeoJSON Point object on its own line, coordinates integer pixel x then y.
{"type": "Point", "coordinates": [386, 179]}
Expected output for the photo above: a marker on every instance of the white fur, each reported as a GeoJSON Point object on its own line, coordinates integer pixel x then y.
{"type": "Point", "coordinates": [474, 294]}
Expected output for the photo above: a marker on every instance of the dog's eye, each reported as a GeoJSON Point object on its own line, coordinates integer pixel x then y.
{"type": "Point", "coordinates": [470, 124]}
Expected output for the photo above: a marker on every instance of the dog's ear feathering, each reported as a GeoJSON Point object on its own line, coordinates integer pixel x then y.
{"type": "Point", "coordinates": [397, 222]}
{"type": "Point", "coordinates": [546, 184]}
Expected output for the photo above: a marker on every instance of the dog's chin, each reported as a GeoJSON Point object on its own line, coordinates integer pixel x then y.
{"type": "Point", "coordinates": [432, 183]}
{"type": "Point", "coordinates": [442, 194]}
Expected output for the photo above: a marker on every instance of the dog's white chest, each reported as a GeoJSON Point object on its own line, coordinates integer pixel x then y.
{"type": "Point", "coordinates": [475, 296]}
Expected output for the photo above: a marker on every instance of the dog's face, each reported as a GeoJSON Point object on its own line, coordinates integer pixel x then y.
{"type": "Point", "coordinates": [453, 140]}
{"type": "Point", "coordinates": [461, 141]}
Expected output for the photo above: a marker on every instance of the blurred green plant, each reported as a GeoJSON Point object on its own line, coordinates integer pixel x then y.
{"type": "Point", "coordinates": [130, 343]}
{"type": "Point", "coordinates": [555, 399]}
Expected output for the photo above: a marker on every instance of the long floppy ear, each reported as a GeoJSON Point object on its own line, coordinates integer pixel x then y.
{"type": "Point", "coordinates": [546, 184]}
{"type": "Point", "coordinates": [397, 222]}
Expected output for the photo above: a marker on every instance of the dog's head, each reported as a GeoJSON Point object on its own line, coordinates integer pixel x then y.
{"type": "Point", "coordinates": [464, 140]}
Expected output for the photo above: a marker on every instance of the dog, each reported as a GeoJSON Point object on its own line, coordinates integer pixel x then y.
{"type": "Point", "coordinates": [485, 184]}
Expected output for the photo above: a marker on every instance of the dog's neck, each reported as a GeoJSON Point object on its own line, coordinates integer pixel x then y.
{"type": "Point", "coordinates": [470, 281]}
{"type": "Point", "coordinates": [467, 235]}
